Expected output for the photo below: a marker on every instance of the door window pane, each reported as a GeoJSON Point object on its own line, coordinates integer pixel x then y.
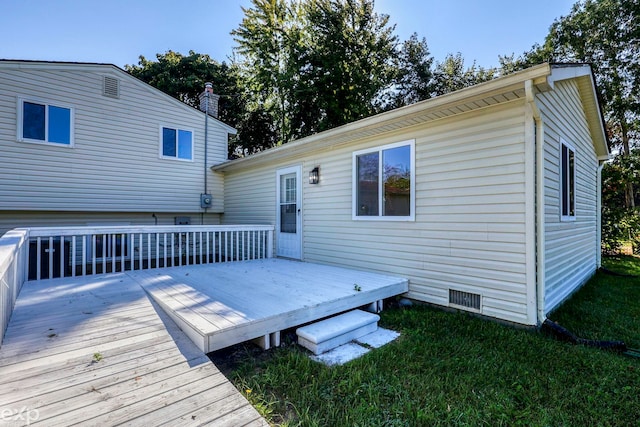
{"type": "Point", "coordinates": [288, 218]}
{"type": "Point", "coordinates": [288, 188]}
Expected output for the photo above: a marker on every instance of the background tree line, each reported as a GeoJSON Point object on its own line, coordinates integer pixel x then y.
{"type": "Point", "coordinates": [304, 66]}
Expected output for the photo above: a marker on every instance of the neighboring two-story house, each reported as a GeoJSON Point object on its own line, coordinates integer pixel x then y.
{"type": "Point", "coordinates": [88, 144]}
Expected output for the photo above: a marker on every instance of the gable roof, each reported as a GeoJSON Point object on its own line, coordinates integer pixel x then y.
{"type": "Point", "coordinates": [103, 67]}
{"type": "Point", "coordinates": [493, 92]}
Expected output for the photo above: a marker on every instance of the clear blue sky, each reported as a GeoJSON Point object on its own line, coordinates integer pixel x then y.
{"type": "Point", "coordinates": [118, 31]}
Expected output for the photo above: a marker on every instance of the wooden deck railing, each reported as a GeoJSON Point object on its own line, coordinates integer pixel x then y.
{"type": "Point", "coordinates": [80, 251]}
{"type": "Point", "coordinates": [50, 252]}
{"type": "Point", "coordinates": [13, 258]}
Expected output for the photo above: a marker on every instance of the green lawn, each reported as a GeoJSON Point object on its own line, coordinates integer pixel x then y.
{"type": "Point", "coordinates": [456, 369]}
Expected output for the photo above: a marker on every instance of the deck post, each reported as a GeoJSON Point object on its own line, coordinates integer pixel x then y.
{"type": "Point", "coordinates": [270, 244]}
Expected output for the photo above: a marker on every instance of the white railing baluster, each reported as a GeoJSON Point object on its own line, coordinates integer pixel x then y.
{"type": "Point", "coordinates": [113, 253]}
{"type": "Point", "coordinates": [62, 256]}
{"type": "Point", "coordinates": [219, 238]}
{"type": "Point", "coordinates": [207, 260]}
{"type": "Point", "coordinates": [226, 246]}
{"type": "Point", "coordinates": [164, 249]}
{"type": "Point", "coordinates": [244, 249]}
{"type": "Point", "coordinates": [191, 249]}
{"type": "Point", "coordinates": [38, 260]}
{"type": "Point", "coordinates": [84, 255]}
{"type": "Point", "coordinates": [132, 251]}
{"type": "Point", "coordinates": [148, 251]}
{"type": "Point", "coordinates": [173, 251]}
{"type": "Point", "coordinates": [140, 250]}
{"type": "Point", "coordinates": [51, 250]}
{"type": "Point", "coordinates": [73, 256]}
{"type": "Point", "coordinates": [105, 237]}
{"type": "Point", "coordinates": [157, 250]}
{"type": "Point", "coordinates": [93, 254]}
{"type": "Point", "coordinates": [123, 251]}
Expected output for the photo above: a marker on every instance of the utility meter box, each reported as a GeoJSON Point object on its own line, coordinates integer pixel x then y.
{"type": "Point", "coordinates": [206, 201]}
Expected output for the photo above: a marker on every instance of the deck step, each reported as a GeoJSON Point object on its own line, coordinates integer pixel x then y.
{"type": "Point", "coordinates": [332, 332]}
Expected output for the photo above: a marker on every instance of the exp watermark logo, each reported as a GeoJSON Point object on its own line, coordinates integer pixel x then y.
{"type": "Point", "coordinates": [20, 416]}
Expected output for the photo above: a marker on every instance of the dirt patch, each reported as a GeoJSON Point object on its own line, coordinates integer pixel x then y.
{"type": "Point", "coordinates": [229, 359]}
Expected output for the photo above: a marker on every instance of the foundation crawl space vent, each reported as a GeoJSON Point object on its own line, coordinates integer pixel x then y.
{"type": "Point", "coordinates": [464, 299]}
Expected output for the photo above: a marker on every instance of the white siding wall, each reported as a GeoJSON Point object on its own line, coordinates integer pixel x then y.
{"type": "Point", "coordinates": [114, 165]}
{"type": "Point", "coordinates": [469, 232]}
{"type": "Point", "coordinates": [571, 246]}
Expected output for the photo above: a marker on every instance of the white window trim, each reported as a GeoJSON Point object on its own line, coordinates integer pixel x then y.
{"type": "Point", "coordinates": [354, 182]}
{"type": "Point", "coordinates": [561, 195]}
{"type": "Point", "coordinates": [176, 128]}
{"type": "Point", "coordinates": [46, 141]}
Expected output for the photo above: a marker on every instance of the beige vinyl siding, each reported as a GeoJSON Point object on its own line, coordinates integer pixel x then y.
{"type": "Point", "coordinates": [250, 197]}
{"type": "Point", "coordinates": [469, 228]}
{"type": "Point", "coordinates": [114, 164]}
{"type": "Point", "coordinates": [570, 246]}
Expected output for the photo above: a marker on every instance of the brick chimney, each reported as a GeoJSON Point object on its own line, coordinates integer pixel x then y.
{"type": "Point", "coordinates": [209, 100]}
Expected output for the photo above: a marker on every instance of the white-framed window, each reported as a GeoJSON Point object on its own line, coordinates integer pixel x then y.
{"type": "Point", "coordinates": [567, 181]}
{"type": "Point", "coordinates": [384, 182]}
{"type": "Point", "coordinates": [45, 123]}
{"type": "Point", "coordinates": [176, 143]}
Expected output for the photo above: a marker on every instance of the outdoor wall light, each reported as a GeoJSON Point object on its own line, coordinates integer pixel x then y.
{"type": "Point", "coordinates": [314, 175]}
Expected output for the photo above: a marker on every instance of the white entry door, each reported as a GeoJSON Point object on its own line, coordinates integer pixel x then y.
{"type": "Point", "coordinates": [289, 213]}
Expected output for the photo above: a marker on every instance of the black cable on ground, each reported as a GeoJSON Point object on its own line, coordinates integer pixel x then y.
{"type": "Point", "coordinates": [563, 334]}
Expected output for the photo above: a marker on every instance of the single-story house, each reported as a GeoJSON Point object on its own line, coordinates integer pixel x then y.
{"type": "Point", "coordinates": [88, 144]}
{"type": "Point", "coordinates": [487, 199]}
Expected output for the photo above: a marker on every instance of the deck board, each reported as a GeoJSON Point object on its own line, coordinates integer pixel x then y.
{"type": "Point", "coordinates": [149, 372]}
{"type": "Point", "coordinates": [224, 304]}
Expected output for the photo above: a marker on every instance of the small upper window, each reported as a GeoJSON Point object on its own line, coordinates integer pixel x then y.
{"type": "Point", "coordinates": [45, 123]}
{"type": "Point", "coordinates": [567, 181]}
{"type": "Point", "coordinates": [384, 186]}
{"type": "Point", "coordinates": [177, 143]}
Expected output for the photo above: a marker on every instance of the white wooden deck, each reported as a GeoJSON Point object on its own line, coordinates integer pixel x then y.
{"type": "Point", "coordinates": [218, 305]}
{"type": "Point", "coordinates": [95, 351]}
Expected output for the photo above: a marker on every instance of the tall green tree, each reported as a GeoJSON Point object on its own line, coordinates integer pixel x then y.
{"type": "Point", "coordinates": [352, 55]}
{"type": "Point", "coordinates": [451, 75]}
{"type": "Point", "coordinates": [315, 64]}
{"type": "Point", "coordinates": [266, 50]}
{"type": "Point", "coordinates": [415, 79]}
